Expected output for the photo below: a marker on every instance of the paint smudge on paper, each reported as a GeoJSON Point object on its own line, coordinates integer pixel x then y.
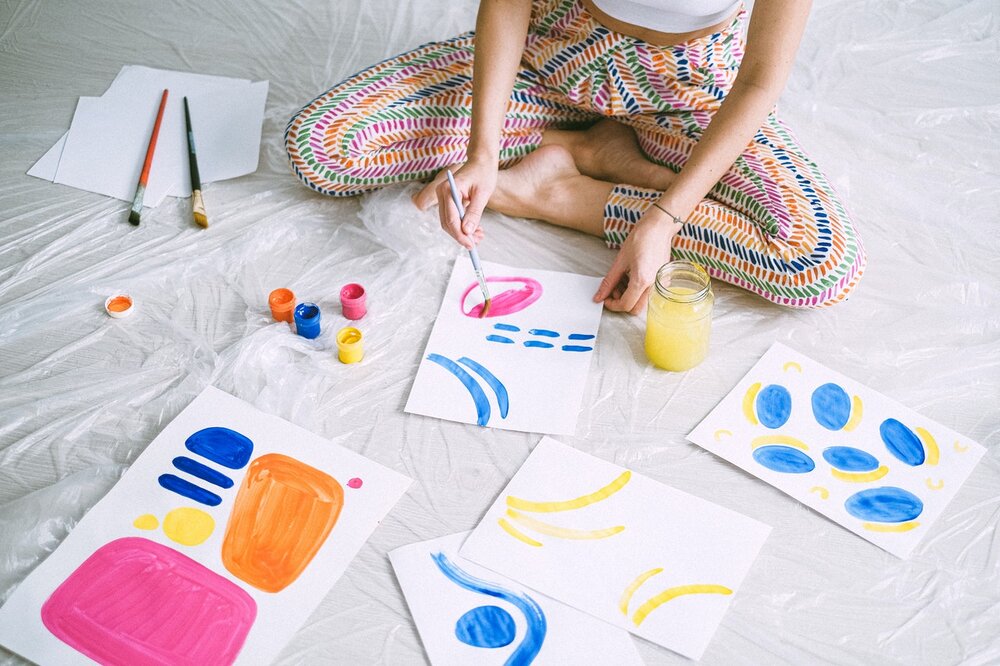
{"type": "Point", "coordinates": [188, 526]}
{"type": "Point", "coordinates": [506, 327]}
{"type": "Point", "coordinates": [203, 472]}
{"type": "Point", "coordinates": [774, 406]}
{"type": "Point", "coordinates": [355, 483]}
{"type": "Point", "coordinates": [853, 465]}
{"type": "Point", "coordinates": [581, 336]}
{"type": "Point", "coordinates": [544, 332]}
{"type": "Point", "coordinates": [146, 521]}
{"type": "Point", "coordinates": [503, 400]}
{"type": "Point", "coordinates": [486, 627]}
{"type": "Point", "coordinates": [500, 339]}
{"type": "Point", "coordinates": [222, 446]}
{"type": "Point", "coordinates": [902, 442]}
{"type": "Point", "coordinates": [576, 348]}
{"type": "Point", "coordinates": [663, 597]}
{"type": "Point", "coordinates": [784, 459]}
{"type": "Point", "coordinates": [539, 344]}
{"type": "Point", "coordinates": [479, 399]}
{"type": "Point", "coordinates": [506, 302]}
{"type": "Point", "coordinates": [885, 505]}
{"type": "Point", "coordinates": [185, 488]}
{"type": "Point", "coordinates": [831, 406]}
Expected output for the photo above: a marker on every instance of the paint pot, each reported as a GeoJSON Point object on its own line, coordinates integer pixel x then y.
{"type": "Point", "coordinates": [349, 346]}
{"type": "Point", "coordinates": [307, 320]}
{"type": "Point", "coordinates": [352, 301]}
{"type": "Point", "coordinates": [282, 302]}
{"type": "Point", "coordinates": [119, 306]}
{"type": "Point", "coordinates": [679, 316]}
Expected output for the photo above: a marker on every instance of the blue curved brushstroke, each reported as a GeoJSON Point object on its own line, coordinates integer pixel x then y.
{"type": "Point", "coordinates": [203, 472]}
{"type": "Point", "coordinates": [850, 459]}
{"type": "Point", "coordinates": [581, 336]}
{"type": "Point", "coordinates": [902, 442]}
{"type": "Point", "coordinates": [784, 459]}
{"type": "Point", "coordinates": [530, 646]}
{"type": "Point", "coordinates": [187, 489]}
{"type": "Point", "coordinates": [774, 406]}
{"type": "Point", "coordinates": [486, 627]}
{"type": "Point", "coordinates": [503, 400]}
{"type": "Point", "coordinates": [884, 505]}
{"type": "Point", "coordinates": [576, 348]}
{"type": "Point", "coordinates": [544, 332]}
{"type": "Point", "coordinates": [221, 445]}
{"type": "Point", "coordinates": [831, 406]}
{"type": "Point", "coordinates": [539, 344]}
{"type": "Point", "coordinates": [499, 338]}
{"type": "Point", "coordinates": [478, 395]}
{"type": "Point", "coordinates": [506, 327]}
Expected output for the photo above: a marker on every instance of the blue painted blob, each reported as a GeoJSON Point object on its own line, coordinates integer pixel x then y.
{"type": "Point", "coordinates": [499, 338]}
{"type": "Point", "coordinates": [884, 505]}
{"type": "Point", "coordinates": [187, 489]}
{"type": "Point", "coordinates": [503, 400]}
{"type": "Point", "coordinates": [902, 442]}
{"type": "Point", "coordinates": [581, 336]}
{"type": "Point", "coordinates": [506, 327]}
{"type": "Point", "coordinates": [531, 644]}
{"type": "Point", "coordinates": [203, 472]}
{"type": "Point", "coordinates": [539, 344]}
{"type": "Point", "coordinates": [850, 459]}
{"type": "Point", "coordinates": [831, 406]}
{"type": "Point", "coordinates": [544, 332]}
{"type": "Point", "coordinates": [486, 627]}
{"type": "Point", "coordinates": [221, 445]}
{"type": "Point", "coordinates": [784, 459]}
{"type": "Point", "coordinates": [774, 406]}
{"type": "Point", "coordinates": [576, 348]}
{"type": "Point", "coordinates": [475, 390]}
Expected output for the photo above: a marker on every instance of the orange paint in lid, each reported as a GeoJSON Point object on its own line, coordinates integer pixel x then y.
{"type": "Point", "coordinates": [118, 306]}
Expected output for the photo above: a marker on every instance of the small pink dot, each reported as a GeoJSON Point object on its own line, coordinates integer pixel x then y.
{"type": "Point", "coordinates": [354, 483]}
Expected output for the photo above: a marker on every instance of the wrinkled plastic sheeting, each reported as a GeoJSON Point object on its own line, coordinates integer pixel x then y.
{"type": "Point", "coordinates": [899, 102]}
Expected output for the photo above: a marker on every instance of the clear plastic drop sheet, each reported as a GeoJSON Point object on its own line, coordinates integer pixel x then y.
{"type": "Point", "coordinates": [898, 101]}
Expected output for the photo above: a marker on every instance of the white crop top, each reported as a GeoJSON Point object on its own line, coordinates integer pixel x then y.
{"type": "Point", "coordinates": [672, 16]}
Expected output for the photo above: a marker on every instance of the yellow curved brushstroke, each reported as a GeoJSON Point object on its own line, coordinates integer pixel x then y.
{"type": "Point", "coordinates": [959, 448]}
{"type": "Point", "coordinates": [934, 486]}
{"type": "Point", "coordinates": [930, 447]}
{"type": "Point", "coordinates": [720, 433]}
{"type": "Point", "coordinates": [791, 364]}
{"type": "Point", "coordinates": [857, 409]}
{"type": "Point", "coordinates": [823, 492]}
{"type": "Point", "coordinates": [860, 477]}
{"type": "Point", "coordinates": [517, 534]}
{"type": "Point", "coordinates": [578, 503]}
{"type": "Point", "coordinates": [748, 401]}
{"type": "Point", "coordinates": [671, 594]}
{"type": "Point", "coordinates": [897, 527]}
{"type": "Point", "coordinates": [633, 586]}
{"type": "Point", "coordinates": [764, 440]}
{"type": "Point", "coordinates": [562, 532]}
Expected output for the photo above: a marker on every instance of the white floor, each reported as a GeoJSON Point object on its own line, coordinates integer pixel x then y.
{"type": "Point", "coordinates": [900, 102]}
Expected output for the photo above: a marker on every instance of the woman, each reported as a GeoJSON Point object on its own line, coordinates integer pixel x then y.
{"type": "Point", "coordinates": [682, 154]}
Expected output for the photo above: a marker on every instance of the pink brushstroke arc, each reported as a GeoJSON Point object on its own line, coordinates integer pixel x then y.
{"type": "Point", "coordinates": [135, 601]}
{"type": "Point", "coordinates": [506, 302]}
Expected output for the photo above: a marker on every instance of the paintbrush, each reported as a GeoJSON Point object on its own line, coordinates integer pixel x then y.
{"type": "Point", "coordinates": [197, 203]}
{"type": "Point", "coordinates": [140, 190]}
{"type": "Point", "coordinates": [473, 254]}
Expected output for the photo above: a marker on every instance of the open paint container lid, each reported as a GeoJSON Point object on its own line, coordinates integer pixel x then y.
{"type": "Point", "coordinates": [119, 306]}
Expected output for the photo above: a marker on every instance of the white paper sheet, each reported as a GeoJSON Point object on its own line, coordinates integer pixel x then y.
{"type": "Point", "coordinates": [524, 366]}
{"type": "Point", "coordinates": [259, 573]}
{"type": "Point", "coordinates": [863, 460]}
{"type": "Point", "coordinates": [645, 557]}
{"type": "Point", "coordinates": [450, 599]}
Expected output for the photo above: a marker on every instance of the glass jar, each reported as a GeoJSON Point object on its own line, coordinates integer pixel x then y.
{"type": "Point", "coordinates": [679, 316]}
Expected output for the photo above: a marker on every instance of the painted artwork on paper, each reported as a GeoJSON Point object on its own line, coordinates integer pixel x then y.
{"type": "Point", "coordinates": [521, 367]}
{"type": "Point", "coordinates": [867, 462]}
{"type": "Point", "coordinates": [469, 615]}
{"type": "Point", "coordinates": [212, 549]}
{"type": "Point", "coordinates": [614, 544]}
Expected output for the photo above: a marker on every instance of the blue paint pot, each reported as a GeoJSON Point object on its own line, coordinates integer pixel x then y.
{"type": "Point", "coordinates": [307, 320]}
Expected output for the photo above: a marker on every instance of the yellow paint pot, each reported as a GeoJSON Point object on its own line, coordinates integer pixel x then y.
{"type": "Point", "coordinates": [349, 346]}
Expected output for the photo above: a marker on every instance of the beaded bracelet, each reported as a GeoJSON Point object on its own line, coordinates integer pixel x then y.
{"type": "Point", "coordinates": [671, 215]}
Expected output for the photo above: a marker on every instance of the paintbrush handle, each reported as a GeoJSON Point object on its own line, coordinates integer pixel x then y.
{"type": "Point", "coordinates": [473, 254]}
{"type": "Point", "coordinates": [192, 152]}
{"type": "Point", "coordinates": [148, 163]}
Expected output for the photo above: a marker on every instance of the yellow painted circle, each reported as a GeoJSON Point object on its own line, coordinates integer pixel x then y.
{"type": "Point", "coordinates": [188, 527]}
{"type": "Point", "coordinates": [146, 521]}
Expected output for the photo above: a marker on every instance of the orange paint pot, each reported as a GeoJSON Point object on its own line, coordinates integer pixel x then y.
{"type": "Point", "coordinates": [282, 302]}
{"type": "Point", "coordinates": [283, 513]}
{"type": "Point", "coordinates": [118, 306]}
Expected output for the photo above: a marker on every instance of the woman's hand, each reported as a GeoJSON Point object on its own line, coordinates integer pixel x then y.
{"type": "Point", "coordinates": [476, 182]}
{"type": "Point", "coordinates": [626, 286]}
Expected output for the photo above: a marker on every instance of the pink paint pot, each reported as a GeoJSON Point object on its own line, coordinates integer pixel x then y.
{"type": "Point", "coordinates": [352, 301]}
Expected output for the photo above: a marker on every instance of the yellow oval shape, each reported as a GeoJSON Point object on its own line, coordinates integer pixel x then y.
{"type": "Point", "coordinates": [187, 526]}
{"type": "Point", "coordinates": [146, 521]}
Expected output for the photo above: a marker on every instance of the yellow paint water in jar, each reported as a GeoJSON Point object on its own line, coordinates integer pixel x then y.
{"type": "Point", "coordinates": [679, 316]}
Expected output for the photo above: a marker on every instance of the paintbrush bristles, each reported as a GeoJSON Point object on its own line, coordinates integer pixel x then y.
{"type": "Point", "coordinates": [486, 309]}
{"type": "Point", "coordinates": [198, 205]}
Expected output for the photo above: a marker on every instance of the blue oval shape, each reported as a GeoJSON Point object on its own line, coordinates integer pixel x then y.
{"type": "Point", "coordinates": [774, 406]}
{"type": "Point", "coordinates": [831, 406]}
{"type": "Point", "coordinates": [784, 459]}
{"type": "Point", "coordinates": [884, 505]}
{"type": "Point", "coordinates": [486, 627]}
{"type": "Point", "coordinates": [850, 459]}
{"type": "Point", "coordinates": [902, 442]}
{"type": "Point", "coordinates": [221, 445]}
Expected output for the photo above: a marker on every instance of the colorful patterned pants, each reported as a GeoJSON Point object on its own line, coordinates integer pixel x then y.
{"type": "Point", "coordinates": [773, 224]}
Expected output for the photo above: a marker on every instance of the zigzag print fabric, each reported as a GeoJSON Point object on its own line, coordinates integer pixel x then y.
{"type": "Point", "coordinates": [772, 225]}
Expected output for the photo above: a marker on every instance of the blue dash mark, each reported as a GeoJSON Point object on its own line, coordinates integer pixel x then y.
{"type": "Point", "coordinates": [534, 636]}
{"type": "Point", "coordinates": [478, 395]}
{"type": "Point", "coordinates": [885, 505]}
{"type": "Point", "coordinates": [178, 485]}
{"type": "Point", "coordinates": [506, 327]}
{"type": "Point", "coordinates": [486, 627]}
{"type": "Point", "coordinates": [221, 445]}
{"type": "Point", "coordinates": [581, 336]}
{"type": "Point", "coordinates": [499, 338]}
{"type": "Point", "coordinates": [203, 472]}
{"type": "Point", "coordinates": [774, 406]}
{"type": "Point", "coordinates": [577, 348]}
{"type": "Point", "coordinates": [539, 344]}
{"type": "Point", "coordinates": [544, 332]}
{"type": "Point", "coordinates": [503, 400]}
